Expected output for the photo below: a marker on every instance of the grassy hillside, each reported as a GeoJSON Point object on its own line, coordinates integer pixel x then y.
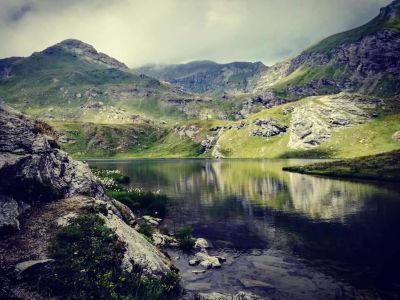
{"type": "Point", "coordinates": [385, 167]}
{"type": "Point", "coordinates": [372, 137]}
{"type": "Point", "coordinates": [366, 135]}
{"type": "Point", "coordinates": [107, 140]}
{"type": "Point", "coordinates": [72, 81]}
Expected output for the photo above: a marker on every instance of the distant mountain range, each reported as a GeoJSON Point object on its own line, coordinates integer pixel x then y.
{"type": "Point", "coordinates": [206, 76]}
{"type": "Point", "coordinates": [347, 82]}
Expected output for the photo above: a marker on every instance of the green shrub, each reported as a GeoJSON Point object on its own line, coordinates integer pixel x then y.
{"type": "Point", "coordinates": [148, 202]}
{"type": "Point", "coordinates": [146, 230]}
{"type": "Point", "coordinates": [185, 237]}
{"type": "Point", "coordinates": [87, 266]}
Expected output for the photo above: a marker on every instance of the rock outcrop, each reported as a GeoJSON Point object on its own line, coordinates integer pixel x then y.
{"type": "Point", "coordinates": [139, 252]}
{"type": "Point", "coordinates": [33, 169]}
{"type": "Point", "coordinates": [396, 136]}
{"type": "Point", "coordinates": [314, 121]}
{"type": "Point", "coordinates": [268, 128]}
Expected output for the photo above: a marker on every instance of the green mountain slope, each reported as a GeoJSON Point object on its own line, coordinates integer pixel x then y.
{"type": "Point", "coordinates": [365, 59]}
{"type": "Point", "coordinates": [347, 89]}
{"type": "Point", "coordinates": [69, 79]}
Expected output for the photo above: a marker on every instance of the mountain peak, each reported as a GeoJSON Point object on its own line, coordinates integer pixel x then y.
{"type": "Point", "coordinates": [74, 43]}
{"type": "Point", "coordinates": [85, 51]}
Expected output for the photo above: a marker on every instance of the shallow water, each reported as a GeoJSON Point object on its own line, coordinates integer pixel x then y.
{"type": "Point", "coordinates": [285, 235]}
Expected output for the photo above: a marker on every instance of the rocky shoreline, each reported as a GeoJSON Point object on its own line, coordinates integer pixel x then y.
{"type": "Point", "coordinates": [44, 191]}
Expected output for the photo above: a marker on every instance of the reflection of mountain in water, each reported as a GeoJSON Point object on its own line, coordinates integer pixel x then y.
{"type": "Point", "coordinates": [321, 198]}
{"type": "Point", "coordinates": [255, 183]}
{"type": "Point", "coordinates": [263, 184]}
{"type": "Point", "coordinates": [340, 227]}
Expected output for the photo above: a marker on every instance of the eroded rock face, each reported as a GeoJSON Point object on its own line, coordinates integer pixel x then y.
{"type": "Point", "coordinates": [314, 121]}
{"type": "Point", "coordinates": [207, 144]}
{"type": "Point", "coordinates": [365, 60]}
{"type": "Point", "coordinates": [268, 128]}
{"type": "Point", "coordinates": [33, 169]}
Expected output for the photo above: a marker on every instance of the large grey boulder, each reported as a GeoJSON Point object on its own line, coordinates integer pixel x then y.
{"type": "Point", "coordinates": [139, 253]}
{"type": "Point", "coordinates": [10, 209]}
{"type": "Point", "coordinates": [33, 168]}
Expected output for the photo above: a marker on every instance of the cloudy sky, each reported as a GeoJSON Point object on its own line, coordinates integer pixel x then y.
{"type": "Point", "coordinates": [173, 31]}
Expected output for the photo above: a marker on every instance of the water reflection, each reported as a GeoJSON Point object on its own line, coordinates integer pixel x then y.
{"type": "Point", "coordinates": [344, 229]}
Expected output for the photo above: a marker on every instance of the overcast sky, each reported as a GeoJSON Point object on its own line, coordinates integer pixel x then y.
{"type": "Point", "coordinates": [174, 31]}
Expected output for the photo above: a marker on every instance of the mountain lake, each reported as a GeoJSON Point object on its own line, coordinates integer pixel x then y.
{"type": "Point", "coordinates": [284, 235]}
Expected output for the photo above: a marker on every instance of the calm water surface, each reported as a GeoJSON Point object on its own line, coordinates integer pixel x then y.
{"type": "Point", "coordinates": [284, 235]}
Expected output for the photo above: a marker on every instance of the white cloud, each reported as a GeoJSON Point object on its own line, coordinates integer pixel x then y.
{"type": "Point", "coordinates": [173, 31]}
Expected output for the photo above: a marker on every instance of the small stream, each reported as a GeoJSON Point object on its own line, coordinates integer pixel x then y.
{"type": "Point", "coordinates": [285, 235]}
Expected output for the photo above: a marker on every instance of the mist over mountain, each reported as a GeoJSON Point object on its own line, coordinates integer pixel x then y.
{"type": "Point", "coordinates": [173, 31]}
{"type": "Point", "coordinates": [73, 82]}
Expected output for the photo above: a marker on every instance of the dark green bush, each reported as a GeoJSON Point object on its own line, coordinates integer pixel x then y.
{"type": "Point", "coordinates": [87, 266]}
{"type": "Point", "coordinates": [185, 237]}
{"type": "Point", "coordinates": [146, 230]}
{"type": "Point", "coordinates": [146, 202]}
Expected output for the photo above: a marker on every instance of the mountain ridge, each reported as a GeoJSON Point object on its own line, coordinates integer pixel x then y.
{"type": "Point", "coordinates": [364, 59]}
{"type": "Point", "coordinates": [205, 75]}
{"type": "Point", "coordinates": [203, 108]}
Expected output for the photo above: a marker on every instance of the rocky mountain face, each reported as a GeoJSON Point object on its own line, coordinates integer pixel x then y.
{"type": "Point", "coordinates": [365, 59]}
{"type": "Point", "coordinates": [205, 76]}
{"type": "Point", "coordinates": [313, 123]}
